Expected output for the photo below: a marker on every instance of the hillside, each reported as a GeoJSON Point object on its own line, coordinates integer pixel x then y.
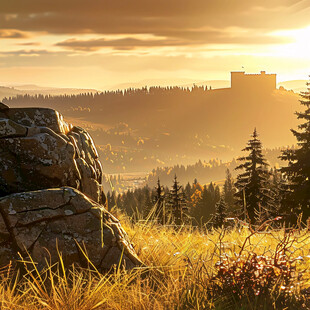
{"type": "Point", "coordinates": [137, 130]}
{"type": "Point", "coordinates": [296, 85]}
{"type": "Point", "coordinates": [15, 90]}
{"type": "Point", "coordinates": [9, 92]}
{"type": "Point", "coordinates": [173, 82]}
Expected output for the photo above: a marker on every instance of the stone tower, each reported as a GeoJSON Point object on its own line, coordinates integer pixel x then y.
{"type": "Point", "coordinates": [241, 81]}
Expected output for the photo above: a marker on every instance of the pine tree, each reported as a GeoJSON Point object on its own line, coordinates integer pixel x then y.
{"type": "Point", "coordinates": [298, 169]}
{"type": "Point", "coordinates": [278, 185]}
{"type": "Point", "coordinates": [119, 202]}
{"type": "Point", "coordinates": [229, 190]}
{"type": "Point", "coordinates": [111, 199]}
{"type": "Point", "coordinates": [147, 201]}
{"type": "Point", "coordinates": [159, 203]}
{"type": "Point", "coordinates": [212, 197]}
{"type": "Point", "coordinates": [177, 203]}
{"type": "Point", "coordinates": [220, 213]}
{"type": "Point", "coordinates": [205, 202]}
{"type": "Point", "coordinates": [253, 184]}
{"type": "Point", "coordinates": [188, 191]}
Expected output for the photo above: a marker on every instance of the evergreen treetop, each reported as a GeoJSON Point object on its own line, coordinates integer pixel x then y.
{"type": "Point", "coordinates": [220, 213]}
{"type": "Point", "coordinates": [177, 203]}
{"type": "Point", "coordinates": [253, 183]}
{"type": "Point", "coordinates": [298, 169]}
{"type": "Point", "coordinates": [229, 190]}
{"type": "Point", "coordinates": [159, 200]}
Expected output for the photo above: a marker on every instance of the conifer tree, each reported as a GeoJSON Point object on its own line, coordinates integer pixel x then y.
{"type": "Point", "coordinates": [119, 202]}
{"type": "Point", "coordinates": [278, 186]}
{"type": "Point", "coordinates": [205, 205]}
{"type": "Point", "coordinates": [188, 191]}
{"type": "Point", "coordinates": [229, 190]}
{"type": "Point", "coordinates": [253, 186]}
{"type": "Point", "coordinates": [212, 197]}
{"type": "Point", "coordinates": [298, 169]}
{"type": "Point", "coordinates": [220, 213]}
{"type": "Point", "coordinates": [159, 211]}
{"type": "Point", "coordinates": [177, 203]}
{"type": "Point", "coordinates": [147, 201]}
{"type": "Point", "coordinates": [111, 199]}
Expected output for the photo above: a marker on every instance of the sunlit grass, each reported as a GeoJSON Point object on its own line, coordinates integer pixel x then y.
{"type": "Point", "coordinates": [180, 274]}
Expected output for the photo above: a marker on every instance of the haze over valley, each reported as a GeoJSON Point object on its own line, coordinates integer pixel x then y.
{"type": "Point", "coordinates": [137, 130]}
{"type": "Point", "coordinates": [152, 85]}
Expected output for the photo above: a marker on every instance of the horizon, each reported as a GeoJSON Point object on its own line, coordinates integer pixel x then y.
{"type": "Point", "coordinates": [94, 46]}
{"type": "Point", "coordinates": [146, 83]}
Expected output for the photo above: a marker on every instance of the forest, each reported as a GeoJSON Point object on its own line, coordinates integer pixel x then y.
{"type": "Point", "coordinates": [137, 130]}
{"type": "Point", "coordinates": [241, 243]}
{"type": "Point", "coordinates": [201, 203]}
{"type": "Point", "coordinates": [257, 193]}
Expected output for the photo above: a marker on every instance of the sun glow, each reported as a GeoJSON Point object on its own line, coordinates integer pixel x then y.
{"type": "Point", "coordinates": [299, 48]}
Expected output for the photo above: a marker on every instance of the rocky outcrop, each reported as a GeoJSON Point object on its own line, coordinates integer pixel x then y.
{"type": "Point", "coordinates": [3, 107]}
{"type": "Point", "coordinates": [39, 150]}
{"type": "Point", "coordinates": [41, 223]}
{"type": "Point", "coordinates": [51, 197]}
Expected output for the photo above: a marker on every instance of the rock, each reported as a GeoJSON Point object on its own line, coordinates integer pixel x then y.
{"type": "Point", "coordinates": [3, 106]}
{"type": "Point", "coordinates": [39, 150]}
{"type": "Point", "coordinates": [51, 197]}
{"type": "Point", "coordinates": [37, 162]}
{"type": "Point", "coordinates": [64, 219]}
{"type": "Point", "coordinates": [37, 117]}
{"type": "Point", "coordinates": [8, 128]}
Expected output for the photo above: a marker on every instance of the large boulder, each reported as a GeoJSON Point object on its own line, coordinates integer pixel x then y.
{"type": "Point", "coordinates": [39, 150]}
{"type": "Point", "coordinates": [45, 222]}
{"type": "Point", "coordinates": [51, 197]}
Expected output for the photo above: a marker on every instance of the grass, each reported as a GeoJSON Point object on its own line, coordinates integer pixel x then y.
{"type": "Point", "coordinates": [187, 269]}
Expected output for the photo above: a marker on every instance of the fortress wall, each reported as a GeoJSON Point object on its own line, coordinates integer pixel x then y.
{"type": "Point", "coordinates": [240, 80]}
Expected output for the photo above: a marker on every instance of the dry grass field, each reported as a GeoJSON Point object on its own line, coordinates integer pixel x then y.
{"type": "Point", "coordinates": [186, 269]}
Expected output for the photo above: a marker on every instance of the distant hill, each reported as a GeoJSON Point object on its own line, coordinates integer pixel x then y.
{"type": "Point", "coordinates": [173, 82]}
{"type": "Point", "coordinates": [296, 85]}
{"type": "Point", "coordinates": [9, 92]}
{"type": "Point", "coordinates": [145, 128]}
{"type": "Point", "coordinates": [214, 84]}
{"type": "Point", "coordinates": [14, 90]}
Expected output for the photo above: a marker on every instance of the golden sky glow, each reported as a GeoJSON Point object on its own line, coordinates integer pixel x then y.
{"type": "Point", "coordinates": [103, 43]}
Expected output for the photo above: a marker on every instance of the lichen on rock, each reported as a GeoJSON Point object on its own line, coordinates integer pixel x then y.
{"type": "Point", "coordinates": [39, 150]}
{"type": "Point", "coordinates": [51, 197]}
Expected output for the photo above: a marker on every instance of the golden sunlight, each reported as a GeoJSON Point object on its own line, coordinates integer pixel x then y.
{"type": "Point", "coordinates": [300, 45]}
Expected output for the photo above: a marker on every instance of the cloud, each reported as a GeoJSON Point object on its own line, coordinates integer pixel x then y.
{"type": "Point", "coordinates": [13, 34]}
{"type": "Point", "coordinates": [133, 65]}
{"type": "Point", "coordinates": [179, 21]}
{"type": "Point", "coordinates": [126, 43]}
{"type": "Point", "coordinates": [29, 44]}
{"type": "Point", "coordinates": [201, 38]}
{"type": "Point", "coordinates": [103, 70]}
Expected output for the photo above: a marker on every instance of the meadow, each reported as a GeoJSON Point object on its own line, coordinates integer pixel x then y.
{"type": "Point", "coordinates": [185, 268]}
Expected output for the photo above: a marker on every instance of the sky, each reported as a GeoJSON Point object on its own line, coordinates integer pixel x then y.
{"type": "Point", "coordinates": [103, 43]}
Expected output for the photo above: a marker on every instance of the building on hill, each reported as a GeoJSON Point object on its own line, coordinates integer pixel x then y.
{"type": "Point", "coordinates": [262, 81]}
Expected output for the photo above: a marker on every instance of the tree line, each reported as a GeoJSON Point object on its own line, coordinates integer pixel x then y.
{"type": "Point", "coordinates": [192, 204]}
{"type": "Point", "coordinates": [107, 101]}
{"type": "Point", "coordinates": [206, 171]}
{"type": "Point", "coordinates": [259, 193]}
